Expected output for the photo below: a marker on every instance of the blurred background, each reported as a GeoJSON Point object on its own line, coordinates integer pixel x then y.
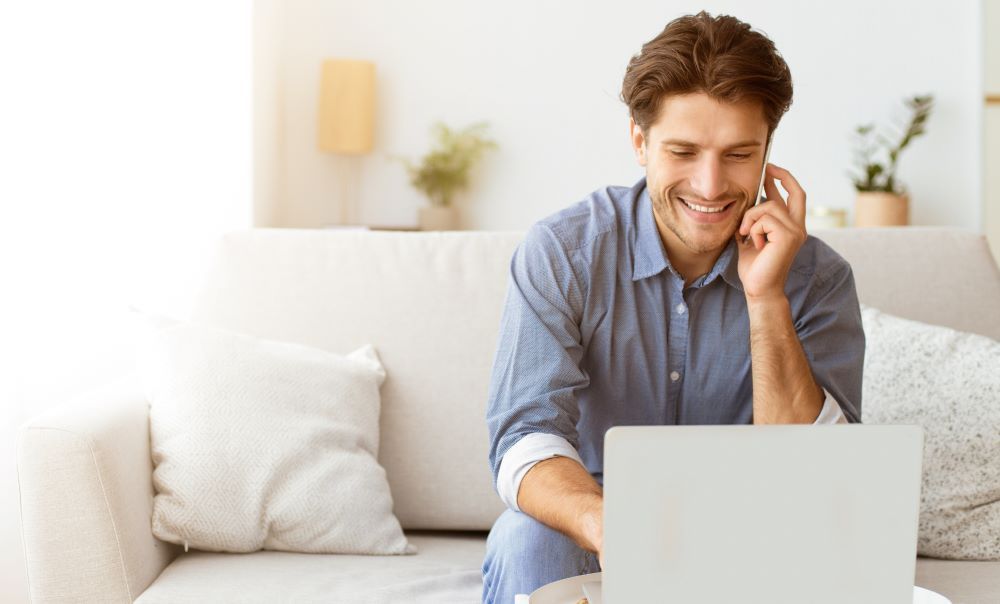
{"type": "Point", "coordinates": [133, 134]}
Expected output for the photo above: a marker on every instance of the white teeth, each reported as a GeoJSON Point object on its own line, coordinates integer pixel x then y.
{"type": "Point", "coordinates": [703, 208]}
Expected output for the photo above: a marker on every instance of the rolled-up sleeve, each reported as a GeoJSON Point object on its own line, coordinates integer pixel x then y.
{"type": "Point", "coordinates": [536, 370]}
{"type": "Point", "coordinates": [833, 339]}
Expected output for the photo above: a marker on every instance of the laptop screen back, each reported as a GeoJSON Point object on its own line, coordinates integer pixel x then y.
{"type": "Point", "coordinates": [761, 513]}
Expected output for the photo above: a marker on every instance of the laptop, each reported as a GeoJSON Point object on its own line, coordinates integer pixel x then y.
{"type": "Point", "coordinates": [775, 514]}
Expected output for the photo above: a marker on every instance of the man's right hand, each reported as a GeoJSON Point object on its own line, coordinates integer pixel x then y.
{"type": "Point", "coordinates": [561, 494]}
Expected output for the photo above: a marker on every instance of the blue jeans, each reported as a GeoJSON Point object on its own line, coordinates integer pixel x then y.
{"type": "Point", "coordinates": [523, 554]}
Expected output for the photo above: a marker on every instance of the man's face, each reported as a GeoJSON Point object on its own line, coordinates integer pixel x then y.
{"type": "Point", "coordinates": [702, 156]}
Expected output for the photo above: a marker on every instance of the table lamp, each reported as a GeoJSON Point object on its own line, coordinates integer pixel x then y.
{"type": "Point", "coordinates": [346, 123]}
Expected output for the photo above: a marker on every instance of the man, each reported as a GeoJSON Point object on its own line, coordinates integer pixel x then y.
{"type": "Point", "coordinates": [675, 301]}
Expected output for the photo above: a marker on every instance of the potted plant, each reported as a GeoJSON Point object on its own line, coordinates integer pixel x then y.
{"type": "Point", "coordinates": [882, 200]}
{"type": "Point", "coordinates": [444, 171]}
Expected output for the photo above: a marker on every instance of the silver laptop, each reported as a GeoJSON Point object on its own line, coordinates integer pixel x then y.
{"type": "Point", "coordinates": [790, 513]}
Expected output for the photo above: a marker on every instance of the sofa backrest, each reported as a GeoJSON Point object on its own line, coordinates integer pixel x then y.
{"type": "Point", "coordinates": [938, 275]}
{"type": "Point", "coordinates": [430, 303]}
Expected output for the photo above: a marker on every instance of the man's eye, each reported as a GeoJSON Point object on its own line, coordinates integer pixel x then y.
{"type": "Point", "coordinates": [682, 153]}
{"type": "Point", "coordinates": [739, 155]}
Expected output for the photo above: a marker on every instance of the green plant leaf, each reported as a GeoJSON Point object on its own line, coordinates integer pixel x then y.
{"type": "Point", "coordinates": [444, 170]}
{"type": "Point", "coordinates": [877, 176]}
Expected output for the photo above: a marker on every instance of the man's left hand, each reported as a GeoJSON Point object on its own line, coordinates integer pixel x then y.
{"type": "Point", "coordinates": [777, 230]}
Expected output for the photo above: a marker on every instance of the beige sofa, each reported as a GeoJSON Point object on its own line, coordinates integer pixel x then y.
{"type": "Point", "coordinates": [430, 303]}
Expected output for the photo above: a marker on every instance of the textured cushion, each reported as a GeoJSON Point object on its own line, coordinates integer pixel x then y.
{"type": "Point", "coordinates": [948, 382]}
{"type": "Point", "coordinates": [265, 445]}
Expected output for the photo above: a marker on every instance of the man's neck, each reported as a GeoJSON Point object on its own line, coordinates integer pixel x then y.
{"type": "Point", "coordinates": [689, 264]}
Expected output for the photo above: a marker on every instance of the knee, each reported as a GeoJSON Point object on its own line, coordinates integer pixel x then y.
{"type": "Point", "coordinates": [523, 554]}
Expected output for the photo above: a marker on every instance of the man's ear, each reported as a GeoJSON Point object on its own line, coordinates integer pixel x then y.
{"type": "Point", "coordinates": [638, 140]}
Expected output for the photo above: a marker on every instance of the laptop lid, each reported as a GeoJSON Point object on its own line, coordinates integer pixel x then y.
{"type": "Point", "coordinates": [782, 513]}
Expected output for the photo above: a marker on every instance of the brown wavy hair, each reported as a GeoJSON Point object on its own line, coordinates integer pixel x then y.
{"type": "Point", "coordinates": [719, 56]}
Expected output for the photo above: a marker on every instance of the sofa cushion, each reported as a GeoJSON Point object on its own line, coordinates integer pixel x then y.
{"type": "Point", "coordinates": [260, 444]}
{"type": "Point", "coordinates": [430, 303]}
{"type": "Point", "coordinates": [447, 568]}
{"type": "Point", "coordinates": [949, 383]}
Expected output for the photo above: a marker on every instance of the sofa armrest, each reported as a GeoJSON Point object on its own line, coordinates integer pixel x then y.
{"type": "Point", "coordinates": [85, 477]}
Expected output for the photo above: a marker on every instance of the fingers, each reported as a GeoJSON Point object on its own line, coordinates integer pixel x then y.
{"type": "Point", "coordinates": [791, 212]}
{"type": "Point", "coordinates": [758, 232]}
{"type": "Point", "coordinates": [771, 228]}
{"type": "Point", "coordinates": [796, 195]}
{"type": "Point", "coordinates": [771, 190]}
{"type": "Point", "coordinates": [769, 207]}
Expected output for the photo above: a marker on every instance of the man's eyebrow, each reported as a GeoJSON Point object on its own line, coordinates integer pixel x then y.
{"type": "Point", "coordinates": [746, 143]}
{"type": "Point", "coordinates": [677, 142]}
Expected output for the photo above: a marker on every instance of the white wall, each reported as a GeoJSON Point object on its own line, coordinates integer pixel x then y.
{"type": "Point", "coordinates": [991, 146]}
{"type": "Point", "coordinates": [124, 153]}
{"type": "Point", "coordinates": [268, 111]}
{"type": "Point", "coordinates": [547, 76]}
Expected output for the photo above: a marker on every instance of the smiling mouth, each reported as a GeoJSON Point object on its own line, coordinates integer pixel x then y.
{"type": "Point", "coordinates": [706, 209]}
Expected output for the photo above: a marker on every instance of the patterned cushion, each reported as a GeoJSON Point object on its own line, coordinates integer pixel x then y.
{"type": "Point", "coordinates": [260, 444]}
{"type": "Point", "coordinates": [948, 382]}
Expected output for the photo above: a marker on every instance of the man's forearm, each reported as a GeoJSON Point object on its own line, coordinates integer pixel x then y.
{"type": "Point", "coordinates": [784, 390]}
{"type": "Point", "coordinates": [561, 494]}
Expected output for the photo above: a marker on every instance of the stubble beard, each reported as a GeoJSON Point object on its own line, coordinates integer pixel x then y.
{"type": "Point", "coordinates": [669, 214]}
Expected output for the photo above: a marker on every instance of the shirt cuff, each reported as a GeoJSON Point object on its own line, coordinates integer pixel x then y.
{"type": "Point", "coordinates": [521, 457]}
{"type": "Point", "coordinates": [831, 413]}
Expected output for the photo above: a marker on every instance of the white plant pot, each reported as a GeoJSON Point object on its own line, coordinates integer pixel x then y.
{"type": "Point", "coordinates": [438, 218]}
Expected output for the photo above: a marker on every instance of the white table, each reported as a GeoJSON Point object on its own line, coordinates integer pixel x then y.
{"type": "Point", "coordinates": [569, 591]}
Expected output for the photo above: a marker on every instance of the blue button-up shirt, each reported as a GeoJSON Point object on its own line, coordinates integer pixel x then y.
{"type": "Point", "coordinates": [598, 330]}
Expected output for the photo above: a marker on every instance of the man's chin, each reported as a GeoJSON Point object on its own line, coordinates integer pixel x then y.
{"type": "Point", "coordinates": [701, 241]}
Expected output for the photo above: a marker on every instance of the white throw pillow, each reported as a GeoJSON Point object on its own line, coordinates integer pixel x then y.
{"type": "Point", "coordinates": [259, 444]}
{"type": "Point", "coordinates": [949, 383]}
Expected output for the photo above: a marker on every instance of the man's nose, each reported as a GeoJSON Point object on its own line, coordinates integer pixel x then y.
{"type": "Point", "coordinates": [708, 179]}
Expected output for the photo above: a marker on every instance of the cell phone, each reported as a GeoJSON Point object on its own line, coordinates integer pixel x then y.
{"type": "Point", "coordinates": [763, 170]}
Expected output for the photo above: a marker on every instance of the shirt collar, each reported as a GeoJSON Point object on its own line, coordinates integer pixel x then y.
{"type": "Point", "coordinates": [727, 266]}
{"type": "Point", "coordinates": [650, 257]}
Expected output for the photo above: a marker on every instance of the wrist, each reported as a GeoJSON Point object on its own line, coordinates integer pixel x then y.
{"type": "Point", "coordinates": [769, 300]}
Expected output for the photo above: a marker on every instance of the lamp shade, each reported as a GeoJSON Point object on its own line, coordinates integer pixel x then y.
{"type": "Point", "coordinates": [347, 107]}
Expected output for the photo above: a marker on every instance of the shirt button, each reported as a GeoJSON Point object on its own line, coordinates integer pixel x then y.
{"type": "Point", "coordinates": [674, 376]}
{"type": "Point", "coordinates": [680, 309]}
